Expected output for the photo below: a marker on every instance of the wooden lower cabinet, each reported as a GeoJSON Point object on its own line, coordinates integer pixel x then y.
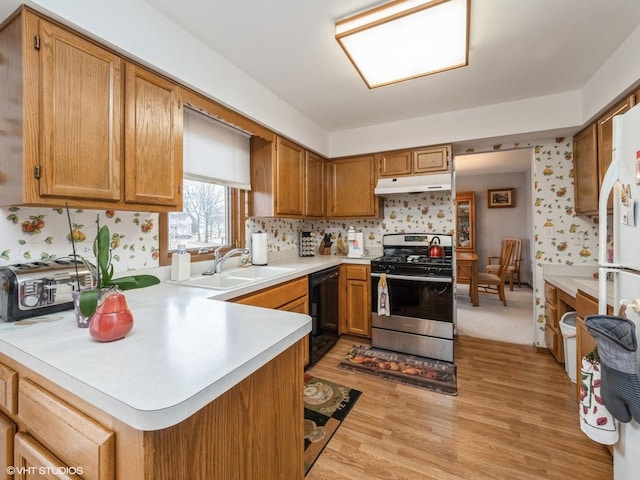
{"type": "Point", "coordinates": [7, 433]}
{"type": "Point", "coordinates": [291, 296]}
{"type": "Point", "coordinates": [557, 303]}
{"type": "Point", "coordinates": [56, 435]}
{"type": "Point", "coordinates": [355, 300]}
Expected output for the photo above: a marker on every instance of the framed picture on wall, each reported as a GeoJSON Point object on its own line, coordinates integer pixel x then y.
{"type": "Point", "coordinates": [501, 198]}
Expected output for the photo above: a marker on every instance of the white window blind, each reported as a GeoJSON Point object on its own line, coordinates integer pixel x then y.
{"type": "Point", "coordinates": [215, 152]}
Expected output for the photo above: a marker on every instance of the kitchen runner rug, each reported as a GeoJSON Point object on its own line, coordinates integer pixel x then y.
{"type": "Point", "coordinates": [420, 372]}
{"type": "Point", "coordinates": [326, 404]}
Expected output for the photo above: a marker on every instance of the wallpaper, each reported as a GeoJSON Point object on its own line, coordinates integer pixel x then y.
{"type": "Point", "coordinates": [31, 234]}
{"type": "Point", "coordinates": [431, 212]}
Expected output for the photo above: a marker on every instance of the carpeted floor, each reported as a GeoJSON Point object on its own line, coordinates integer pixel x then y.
{"type": "Point", "coordinates": [493, 321]}
{"type": "Point", "coordinates": [326, 404]}
{"type": "Point", "coordinates": [427, 373]}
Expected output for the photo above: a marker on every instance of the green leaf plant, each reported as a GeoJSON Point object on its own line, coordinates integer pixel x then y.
{"type": "Point", "coordinates": [103, 273]}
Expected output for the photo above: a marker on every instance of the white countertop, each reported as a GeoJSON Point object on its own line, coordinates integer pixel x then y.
{"type": "Point", "coordinates": [570, 279]}
{"type": "Point", "coordinates": [186, 348]}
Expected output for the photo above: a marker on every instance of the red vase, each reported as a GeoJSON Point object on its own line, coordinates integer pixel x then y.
{"type": "Point", "coordinates": [112, 319]}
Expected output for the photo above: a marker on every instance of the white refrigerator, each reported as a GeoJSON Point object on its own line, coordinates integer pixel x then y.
{"type": "Point", "coordinates": [623, 267]}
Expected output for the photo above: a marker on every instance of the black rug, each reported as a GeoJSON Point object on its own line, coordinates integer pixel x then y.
{"type": "Point", "coordinates": [420, 372]}
{"type": "Point", "coordinates": [326, 404]}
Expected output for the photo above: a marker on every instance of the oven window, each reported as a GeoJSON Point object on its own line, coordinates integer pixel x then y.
{"type": "Point", "coordinates": [418, 299]}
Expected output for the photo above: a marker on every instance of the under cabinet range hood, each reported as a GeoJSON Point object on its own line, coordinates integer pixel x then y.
{"type": "Point", "coordinates": [414, 184]}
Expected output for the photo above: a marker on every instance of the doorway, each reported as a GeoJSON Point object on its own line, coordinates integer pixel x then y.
{"type": "Point", "coordinates": [479, 173]}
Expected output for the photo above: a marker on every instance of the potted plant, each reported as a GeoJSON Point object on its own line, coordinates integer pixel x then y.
{"type": "Point", "coordinates": [108, 290]}
{"type": "Point", "coordinates": [103, 273]}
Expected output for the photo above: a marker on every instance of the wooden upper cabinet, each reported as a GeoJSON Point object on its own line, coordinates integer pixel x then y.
{"type": "Point", "coordinates": [77, 130]}
{"type": "Point", "coordinates": [315, 184]}
{"type": "Point", "coordinates": [81, 117]}
{"type": "Point", "coordinates": [153, 139]}
{"type": "Point", "coordinates": [592, 155]}
{"type": "Point", "coordinates": [585, 171]}
{"type": "Point", "coordinates": [421, 161]}
{"type": "Point", "coordinates": [432, 159]}
{"type": "Point", "coordinates": [351, 184]}
{"type": "Point", "coordinates": [396, 164]}
{"type": "Point", "coordinates": [289, 178]}
{"type": "Point", "coordinates": [605, 139]}
{"type": "Point", "coordinates": [277, 178]}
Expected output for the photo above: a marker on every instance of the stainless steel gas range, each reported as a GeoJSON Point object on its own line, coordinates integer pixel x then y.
{"type": "Point", "coordinates": [420, 295]}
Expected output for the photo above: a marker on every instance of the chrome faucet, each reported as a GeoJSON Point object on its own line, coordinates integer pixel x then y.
{"type": "Point", "coordinates": [218, 262]}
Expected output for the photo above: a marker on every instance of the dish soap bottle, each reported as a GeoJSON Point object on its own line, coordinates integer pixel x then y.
{"type": "Point", "coordinates": [181, 264]}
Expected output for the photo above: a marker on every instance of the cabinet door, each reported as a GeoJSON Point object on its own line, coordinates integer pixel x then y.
{"type": "Point", "coordinates": [395, 164]}
{"type": "Point", "coordinates": [81, 117]}
{"type": "Point", "coordinates": [605, 140]}
{"type": "Point", "coordinates": [432, 159]}
{"type": "Point", "coordinates": [351, 184]}
{"type": "Point", "coordinates": [153, 139]}
{"type": "Point", "coordinates": [289, 178]}
{"type": "Point", "coordinates": [300, 305]}
{"type": "Point", "coordinates": [314, 181]}
{"type": "Point", "coordinates": [7, 432]}
{"type": "Point", "coordinates": [355, 300]}
{"type": "Point", "coordinates": [465, 221]}
{"type": "Point", "coordinates": [585, 171]}
{"type": "Point", "coordinates": [33, 461]}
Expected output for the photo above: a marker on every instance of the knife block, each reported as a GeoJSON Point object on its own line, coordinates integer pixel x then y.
{"type": "Point", "coordinates": [323, 250]}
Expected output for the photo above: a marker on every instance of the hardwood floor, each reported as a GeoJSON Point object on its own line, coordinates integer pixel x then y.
{"type": "Point", "coordinates": [515, 417]}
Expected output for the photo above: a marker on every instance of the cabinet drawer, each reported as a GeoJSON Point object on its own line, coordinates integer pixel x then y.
{"type": "Point", "coordinates": [551, 315]}
{"type": "Point", "coordinates": [30, 456]}
{"type": "Point", "coordinates": [552, 339]}
{"type": "Point", "coordinates": [277, 296]}
{"type": "Point", "coordinates": [7, 432]}
{"type": "Point", "coordinates": [8, 389]}
{"type": "Point", "coordinates": [71, 436]}
{"type": "Point", "coordinates": [586, 305]}
{"type": "Point", "coordinates": [550, 293]}
{"type": "Point", "coordinates": [357, 272]}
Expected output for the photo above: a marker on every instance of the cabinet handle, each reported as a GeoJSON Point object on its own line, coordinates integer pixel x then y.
{"type": "Point", "coordinates": [36, 171]}
{"type": "Point", "coordinates": [36, 42]}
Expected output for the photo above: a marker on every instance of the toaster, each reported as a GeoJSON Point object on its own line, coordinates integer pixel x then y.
{"type": "Point", "coordinates": [40, 288]}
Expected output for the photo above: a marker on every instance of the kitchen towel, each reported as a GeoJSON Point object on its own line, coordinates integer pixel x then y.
{"type": "Point", "coordinates": [595, 420]}
{"type": "Point", "coordinates": [384, 308]}
{"type": "Point", "coordinates": [259, 248]}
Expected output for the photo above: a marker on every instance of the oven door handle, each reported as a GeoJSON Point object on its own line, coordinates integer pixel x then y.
{"type": "Point", "coordinates": [415, 279]}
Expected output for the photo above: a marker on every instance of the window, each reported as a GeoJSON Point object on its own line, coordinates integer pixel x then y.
{"type": "Point", "coordinates": [204, 221]}
{"type": "Point", "coordinates": [226, 229]}
{"type": "Point", "coordinates": [216, 176]}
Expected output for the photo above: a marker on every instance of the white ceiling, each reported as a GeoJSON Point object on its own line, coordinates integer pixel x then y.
{"type": "Point", "coordinates": [518, 49]}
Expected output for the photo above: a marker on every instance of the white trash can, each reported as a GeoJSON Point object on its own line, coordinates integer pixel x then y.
{"type": "Point", "coordinates": [568, 329]}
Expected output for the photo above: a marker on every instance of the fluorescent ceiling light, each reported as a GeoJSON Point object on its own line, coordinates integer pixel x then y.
{"type": "Point", "coordinates": [405, 39]}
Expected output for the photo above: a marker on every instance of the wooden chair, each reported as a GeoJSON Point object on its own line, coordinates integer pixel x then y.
{"type": "Point", "coordinates": [513, 272]}
{"type": "Point", "coordinates": [494, 283]}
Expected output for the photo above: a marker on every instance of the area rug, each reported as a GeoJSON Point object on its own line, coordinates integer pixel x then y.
{"type": "Point", "coordinates": [420, 372]}
{"type": "Point", "coordinates": [326, 404]}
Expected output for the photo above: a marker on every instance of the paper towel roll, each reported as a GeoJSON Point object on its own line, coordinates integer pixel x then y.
{"type": "Point", "coordinates": [259, 248]}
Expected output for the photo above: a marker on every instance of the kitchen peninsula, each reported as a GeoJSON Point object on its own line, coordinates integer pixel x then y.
{"type": "Point", "coordinates": [191, 392]}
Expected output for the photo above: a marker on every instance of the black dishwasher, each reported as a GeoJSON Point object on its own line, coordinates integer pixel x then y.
{"type": "Point", "coordinates": [323, 308]}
